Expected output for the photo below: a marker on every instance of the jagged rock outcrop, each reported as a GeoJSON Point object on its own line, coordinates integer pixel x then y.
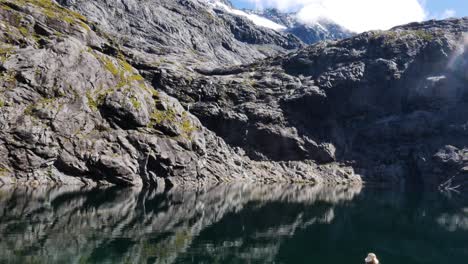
{"type": "Point", "coordinates": [74, 111]}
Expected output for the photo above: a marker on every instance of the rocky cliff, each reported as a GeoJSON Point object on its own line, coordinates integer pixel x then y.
{"type": "Point", "coordinates": [390, 104]}
{"type": "Point", "coordinates": [73, 110]}
{"type": "Point", "coordinates": [72, 106]}
{"type": "Point", "coordinates": [108, 93]}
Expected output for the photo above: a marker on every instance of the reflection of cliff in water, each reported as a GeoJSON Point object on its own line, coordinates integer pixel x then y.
{"type": "Point", "coordinates": [229, 224]}
{"type": "Point", "coordinates": [59, 225]}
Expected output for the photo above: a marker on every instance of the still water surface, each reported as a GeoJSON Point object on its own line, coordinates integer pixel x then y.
{"type": "Point", "coordinates": [231, 224]}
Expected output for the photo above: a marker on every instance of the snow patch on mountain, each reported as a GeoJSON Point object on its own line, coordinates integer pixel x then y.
{"type": "Point", "coordinates": [307, 31]}
{"type": "Point", "coordinates": [256, 19]}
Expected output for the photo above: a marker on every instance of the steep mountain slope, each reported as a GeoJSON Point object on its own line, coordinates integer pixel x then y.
{"type": "Point", "coordinates": [74, 111]}
{"type": "Point", "coordinates": [70, 109]}
{"type": "Point", "coordinates": [309, 33]}
{"type": "Point", "coordinates": [192, 32]}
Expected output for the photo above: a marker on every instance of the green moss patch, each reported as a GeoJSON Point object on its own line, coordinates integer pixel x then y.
{"type": "Point", "coordinates": [5, 52]}
{"type": "Point", "coordinates": [390, 37]}
{"type": "Point", "coordinates": [160, 116]}
{"type": "Point", "coordinates": [8, 77]}
{"type": "Point", "coordinates": [126, 77]}
{"type": "Point", "coordinates": [136, 104]}
{"type": "Point", "coordinates": [24, 31]}
{"type": "Point", "coordinates": [91, 102]}
{"type": "Point", "coordinates": [169, 116]}
{"type": "Point", "coordinates": [52, 11]}
{"type": "Point", "coordinates": [44, 103]}
{"type": "Point", "coordinates": [422, 34]}
{"type": "Point", "coordinates": [187, 127]}
{"type": "Point", "coordinates": [56, 11]}
{"type": "Point", "coordinates": [4, 171]}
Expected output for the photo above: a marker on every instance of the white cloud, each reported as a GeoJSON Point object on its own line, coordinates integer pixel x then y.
{"type": "Point", "coordinates": [448, 13]}
{"type": "Point", "coordinates": [356, 15]}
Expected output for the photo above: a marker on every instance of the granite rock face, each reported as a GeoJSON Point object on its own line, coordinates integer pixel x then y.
{"type": "Point", "coordinates": [189, 32]}
{"type": "Point", "coordinates": [70, 107]}
{"type": "Point", "coordinates": [384, 103]}
{"type": "Point", "coordinates": [74, 111]}
{"type": "Point", "coordinates": [128, 96]}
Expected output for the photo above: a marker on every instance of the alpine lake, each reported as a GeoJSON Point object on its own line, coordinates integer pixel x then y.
{"type": "Point", "coordinates": [232, 224]}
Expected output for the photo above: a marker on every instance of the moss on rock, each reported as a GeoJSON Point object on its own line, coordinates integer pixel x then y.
{"type": "Point", "coordinates": [51, 10]}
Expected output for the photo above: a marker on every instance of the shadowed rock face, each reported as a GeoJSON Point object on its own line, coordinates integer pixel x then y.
{"type": "Point", "coordinates": [390, 104]}
{"type": "Point", "coordinates": [72, 224]}
{"type": "Point", "coordinates": [389, 101]}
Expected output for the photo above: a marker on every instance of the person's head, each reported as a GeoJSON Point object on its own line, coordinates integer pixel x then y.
{"type": "Point", "coordinates": [371, 259]}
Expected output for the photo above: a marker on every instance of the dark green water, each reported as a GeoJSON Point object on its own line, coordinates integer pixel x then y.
{"type": "Point", "coordinates": [231, 224]}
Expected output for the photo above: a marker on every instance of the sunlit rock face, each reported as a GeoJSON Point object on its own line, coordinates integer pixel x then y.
{"type": "Point", "coordinates": [74, 108]}
{"type": "Point", "coordinates": [74, 111]}
{"type": "Point", "coordinates": [184, 33]}
{"type": "Point", "coordinates": [78, 224]}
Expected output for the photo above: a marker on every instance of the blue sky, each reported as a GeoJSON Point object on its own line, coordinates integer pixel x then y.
{"type": "Point", "coordinates": [364, 15]}
{"type": "Point", "coordinates": [436, 8]}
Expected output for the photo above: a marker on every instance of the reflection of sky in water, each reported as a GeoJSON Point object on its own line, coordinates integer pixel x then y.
{"type": "Point", "coordinates": [228, 224]}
